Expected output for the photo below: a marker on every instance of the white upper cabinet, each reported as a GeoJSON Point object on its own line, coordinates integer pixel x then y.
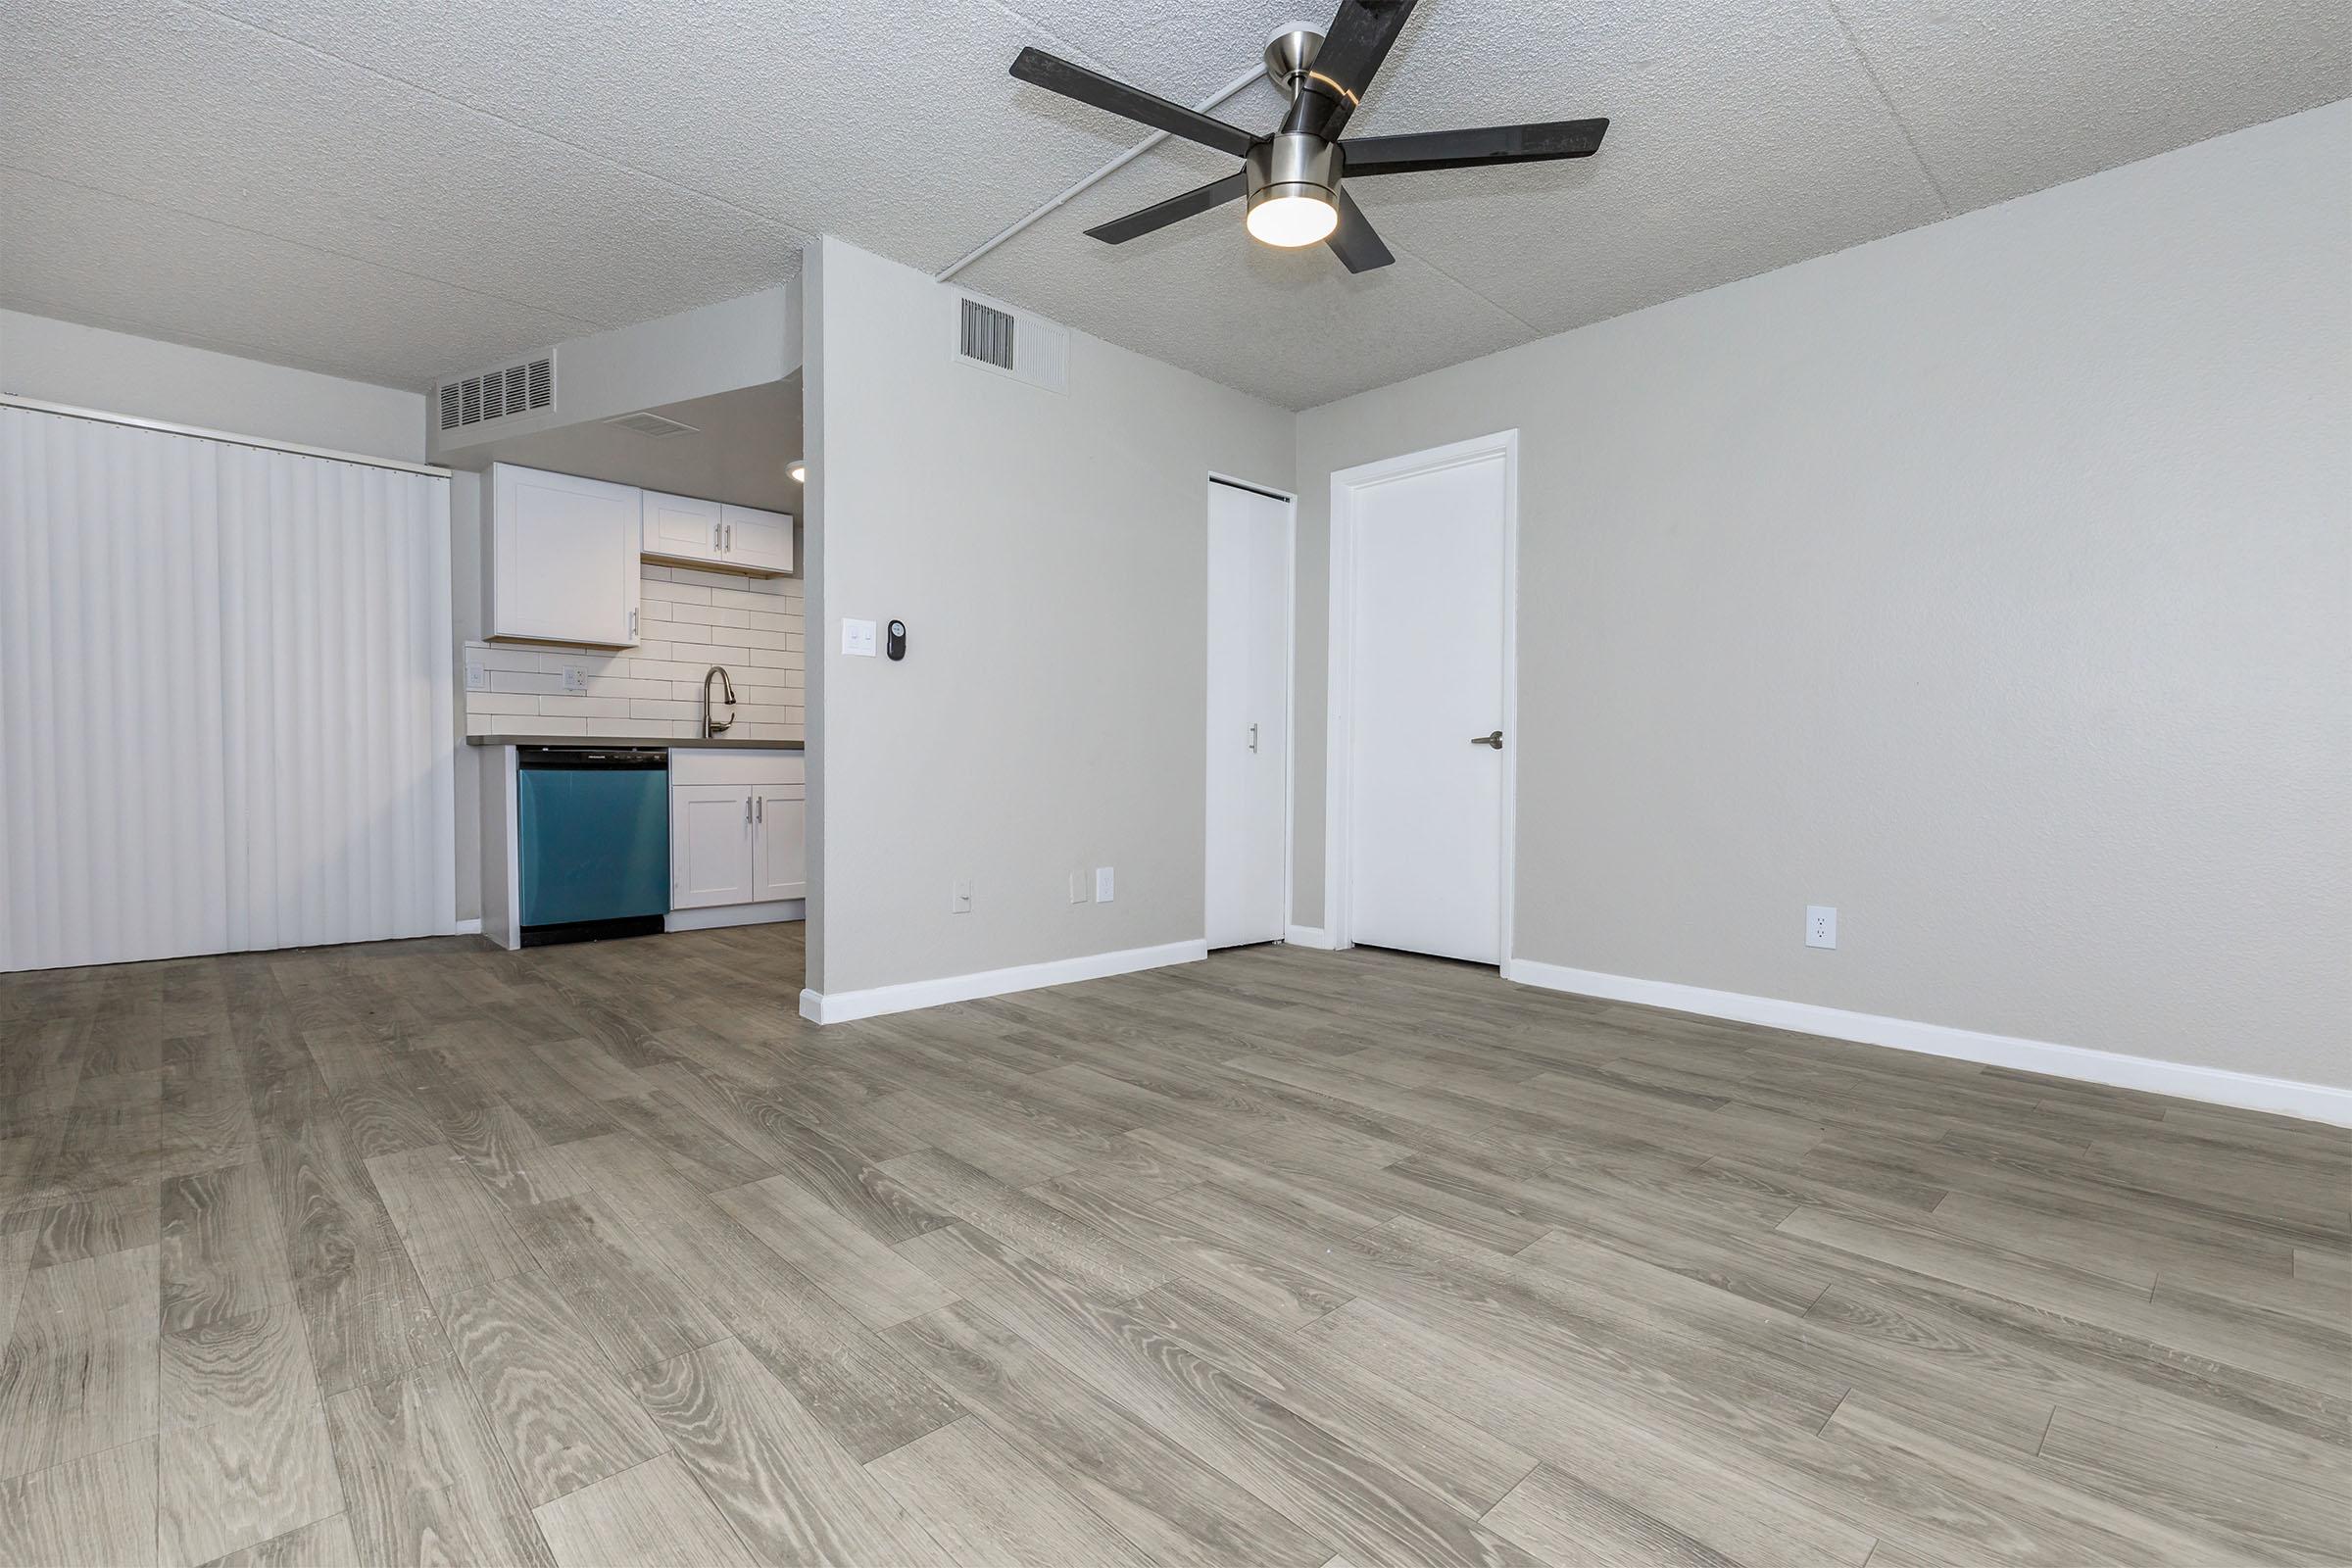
{"type": "Point", "coordinates": [682, 528]}
{"type": "Point", "coordinates": [707, 533]}
{"type": "Point", "coordinates": [563, 558]}
{"type": "Point", "coordinates": [755, 540]}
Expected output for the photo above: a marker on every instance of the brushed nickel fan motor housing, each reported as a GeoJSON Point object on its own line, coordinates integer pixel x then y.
{"type": "Point", "coordinates": [1290, 55]}
{"type": "Point", "coordinates": [1294, 164]}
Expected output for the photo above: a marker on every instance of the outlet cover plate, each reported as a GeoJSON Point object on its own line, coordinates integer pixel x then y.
{"type": "Point", "coordinates": [1820, 925]}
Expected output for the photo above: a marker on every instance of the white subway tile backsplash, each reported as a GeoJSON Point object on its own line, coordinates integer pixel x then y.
{"type": "Point", "coordinates": [691, 620]}
{"type": "Point", "coordinates": [676, 592]}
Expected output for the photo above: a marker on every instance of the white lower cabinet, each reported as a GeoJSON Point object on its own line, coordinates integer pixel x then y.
{"type": "Point", "coordinates": [738, 829]}
{"type": "Point", "coordinates": [710, 844]}
{"type": "Point", "coordinates": [780, 841]}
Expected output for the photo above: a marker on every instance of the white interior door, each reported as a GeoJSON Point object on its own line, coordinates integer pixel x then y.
{"type": "Point", "coordinates": [1248, 713]}
{"type": "Point", "coordinates": [710, 844]}
{"type": "Point", "coordinates": [1427, 632]}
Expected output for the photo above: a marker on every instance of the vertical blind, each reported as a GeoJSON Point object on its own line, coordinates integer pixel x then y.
{"type": "Point", "coordinates": [224, 697]}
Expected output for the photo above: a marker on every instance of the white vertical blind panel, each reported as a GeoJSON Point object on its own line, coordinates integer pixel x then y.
{"type": "Point", "coordinates": [225, 697]}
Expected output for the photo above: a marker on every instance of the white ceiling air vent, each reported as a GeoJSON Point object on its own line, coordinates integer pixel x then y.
{"type": "Point", "coordinates": [646, 422]}
{"type": "Point", "coordinates": [528, 388]}
{"type": "Point", "coordinates": [995, 337]}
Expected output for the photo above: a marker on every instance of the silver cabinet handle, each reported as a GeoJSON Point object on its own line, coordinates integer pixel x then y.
{"type": "Point", "coordinates": [760, 809]}
{"type": "Point", "coordinates": [747, 811]}
{"type": "Point", "coordinates": [1253, 737]}
{"type": "Point", "coordinates": [730, 536]}
{"type": "Point", "coordinates": [1494, 740]}
{"type": "Point", "coordinates": [632, 624]}
{"type": "Point", "coordinates": [718, 536]}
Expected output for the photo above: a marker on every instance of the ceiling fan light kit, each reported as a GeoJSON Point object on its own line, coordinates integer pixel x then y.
{"type": "Point", "coordinates": [1292, 185]}
{"type": "Point", "coordinates": [1289, 182]}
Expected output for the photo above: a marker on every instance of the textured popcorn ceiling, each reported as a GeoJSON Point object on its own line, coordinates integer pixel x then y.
{"type": "Point", "coordinates": [396, 191]}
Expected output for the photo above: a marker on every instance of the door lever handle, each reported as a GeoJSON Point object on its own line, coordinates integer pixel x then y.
{"type": "Point", "coordinates": [1494, 740]}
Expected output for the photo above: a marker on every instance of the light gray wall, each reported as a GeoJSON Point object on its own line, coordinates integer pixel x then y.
{"type": "Point", "coordinates": [1991, 582]}
{"type": "Point", "coordinates": [92, 367]}
{"type": "Point", "coordinates": [1047, 554]}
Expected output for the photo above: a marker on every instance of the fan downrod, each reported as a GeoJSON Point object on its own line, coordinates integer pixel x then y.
{"type": "Point", "coordinates": [1290, 57]}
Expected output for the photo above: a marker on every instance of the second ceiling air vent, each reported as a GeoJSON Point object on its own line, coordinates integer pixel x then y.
{"type": "Point", "coordinates": [987, 334]}
{"type": "Point", "coordinates": [1005, 341]}
{"type": "Point", "coordinates": [648, 423]}
{"type": "Point", "coordinates": [528, 388]}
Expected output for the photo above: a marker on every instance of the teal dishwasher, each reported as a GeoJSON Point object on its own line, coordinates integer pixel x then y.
{"type": "Point", "coordinates": [595, 852]}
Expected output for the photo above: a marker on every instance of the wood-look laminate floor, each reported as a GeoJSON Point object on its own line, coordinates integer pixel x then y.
{"type": "Point", "coordinates": [599, 1255]}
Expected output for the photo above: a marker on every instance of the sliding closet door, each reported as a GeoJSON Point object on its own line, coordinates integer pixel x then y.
{"type": "Point", "coordinates": [224, 697]}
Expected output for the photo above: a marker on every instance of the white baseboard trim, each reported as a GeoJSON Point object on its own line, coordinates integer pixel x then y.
{"type": "Point", "coordinates": [840, 1007]}
{"type": "Point", "coordinates": [2216, 1086]}
{"type": "Point", "coordinates": [716, 915]}
{"type": "Point", "coordinates": [1308, 936]}
{"type": "Point", "coordinates": [468, 928]}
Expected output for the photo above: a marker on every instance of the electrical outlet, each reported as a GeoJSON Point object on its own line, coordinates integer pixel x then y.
{"type": "Point", "coordinates": [1077, 887]}
{"type": "Point", "coordinates": [478, 676]}
{"type": "Point", "coordinates": [575, 677]}
{"type": "Point", "coordinates": [959, 897]}
{"type": "Point", "coordinates": [1821, 926]}
{"type": "Point", "coordinates": [1101, 884]}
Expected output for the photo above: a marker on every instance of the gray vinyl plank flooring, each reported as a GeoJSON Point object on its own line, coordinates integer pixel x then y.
{"type": "Point", "coordinates": [430, 1253]}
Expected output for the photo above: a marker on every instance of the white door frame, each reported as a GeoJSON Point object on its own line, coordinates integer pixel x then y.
{"type": "Point", "coordinates": [1339, 759]}
{"type": "Point", "coordinates": [1289, 680]}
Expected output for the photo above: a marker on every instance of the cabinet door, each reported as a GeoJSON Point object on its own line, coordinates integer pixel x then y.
{"type": "Point", "coordinates": [757, 541]}
{"type": "Point", "coordinates": [710, 844]}
{"type": "Point", "coordinates": [682, 528]}
{"type": "Point", "coordinates": [563, 557]}
{"type": "Point", "coordinates": [780, 859]}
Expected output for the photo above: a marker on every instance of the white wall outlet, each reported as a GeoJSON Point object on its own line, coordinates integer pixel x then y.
{"type": "Point", "coordinates": [477, 675]}
{"type": "Point", "coordinates": [575, 677]}
{"type": "Point", "coordinates": [1101, 884]}
{"type": "Point", "coordinates": [857, 637]}
{"type": "Point", "coordinates": [1077, 887]}
{"type": "Point", "coordinates": [959, 897]}
{"type": "Point", "coordinates": [1821, 926]}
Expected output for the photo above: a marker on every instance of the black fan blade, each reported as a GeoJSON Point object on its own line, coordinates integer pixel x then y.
{"type": "Point", "coordinates": [1159, 214]}
{"type": "Point", "coordinates": [1360, 35]}
{"type": "Point", "coordinates": [1468, 149]}
{"type": "Point", "coordinates": [1057, 75]}
{"type": "Point", "coordinates": [1356, 241]}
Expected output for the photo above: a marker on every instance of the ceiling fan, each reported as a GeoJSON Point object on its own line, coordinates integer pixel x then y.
{"type": "Point", "coordinates": [1290, 180]}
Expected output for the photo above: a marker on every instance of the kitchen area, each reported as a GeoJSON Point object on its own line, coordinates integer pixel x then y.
{"type": "Point", "coordinates": [635, 690]}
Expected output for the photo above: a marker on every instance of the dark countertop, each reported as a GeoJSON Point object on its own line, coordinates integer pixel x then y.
{"type": "Point", "coordinates": [669, 742]}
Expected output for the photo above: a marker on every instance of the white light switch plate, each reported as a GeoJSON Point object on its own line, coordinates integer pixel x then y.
{"type": "Point", "coordinates": [857, 637]}
{"type": "Point", "coordinates": [1821, 926]}
{"type": "Point", "coordinates": [1101, 884]}
{"type": "Point", "coordinates": [959, 897]}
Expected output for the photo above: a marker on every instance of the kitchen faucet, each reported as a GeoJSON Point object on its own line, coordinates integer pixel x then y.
{"type": "Point", "coordinates": [710, 725]}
